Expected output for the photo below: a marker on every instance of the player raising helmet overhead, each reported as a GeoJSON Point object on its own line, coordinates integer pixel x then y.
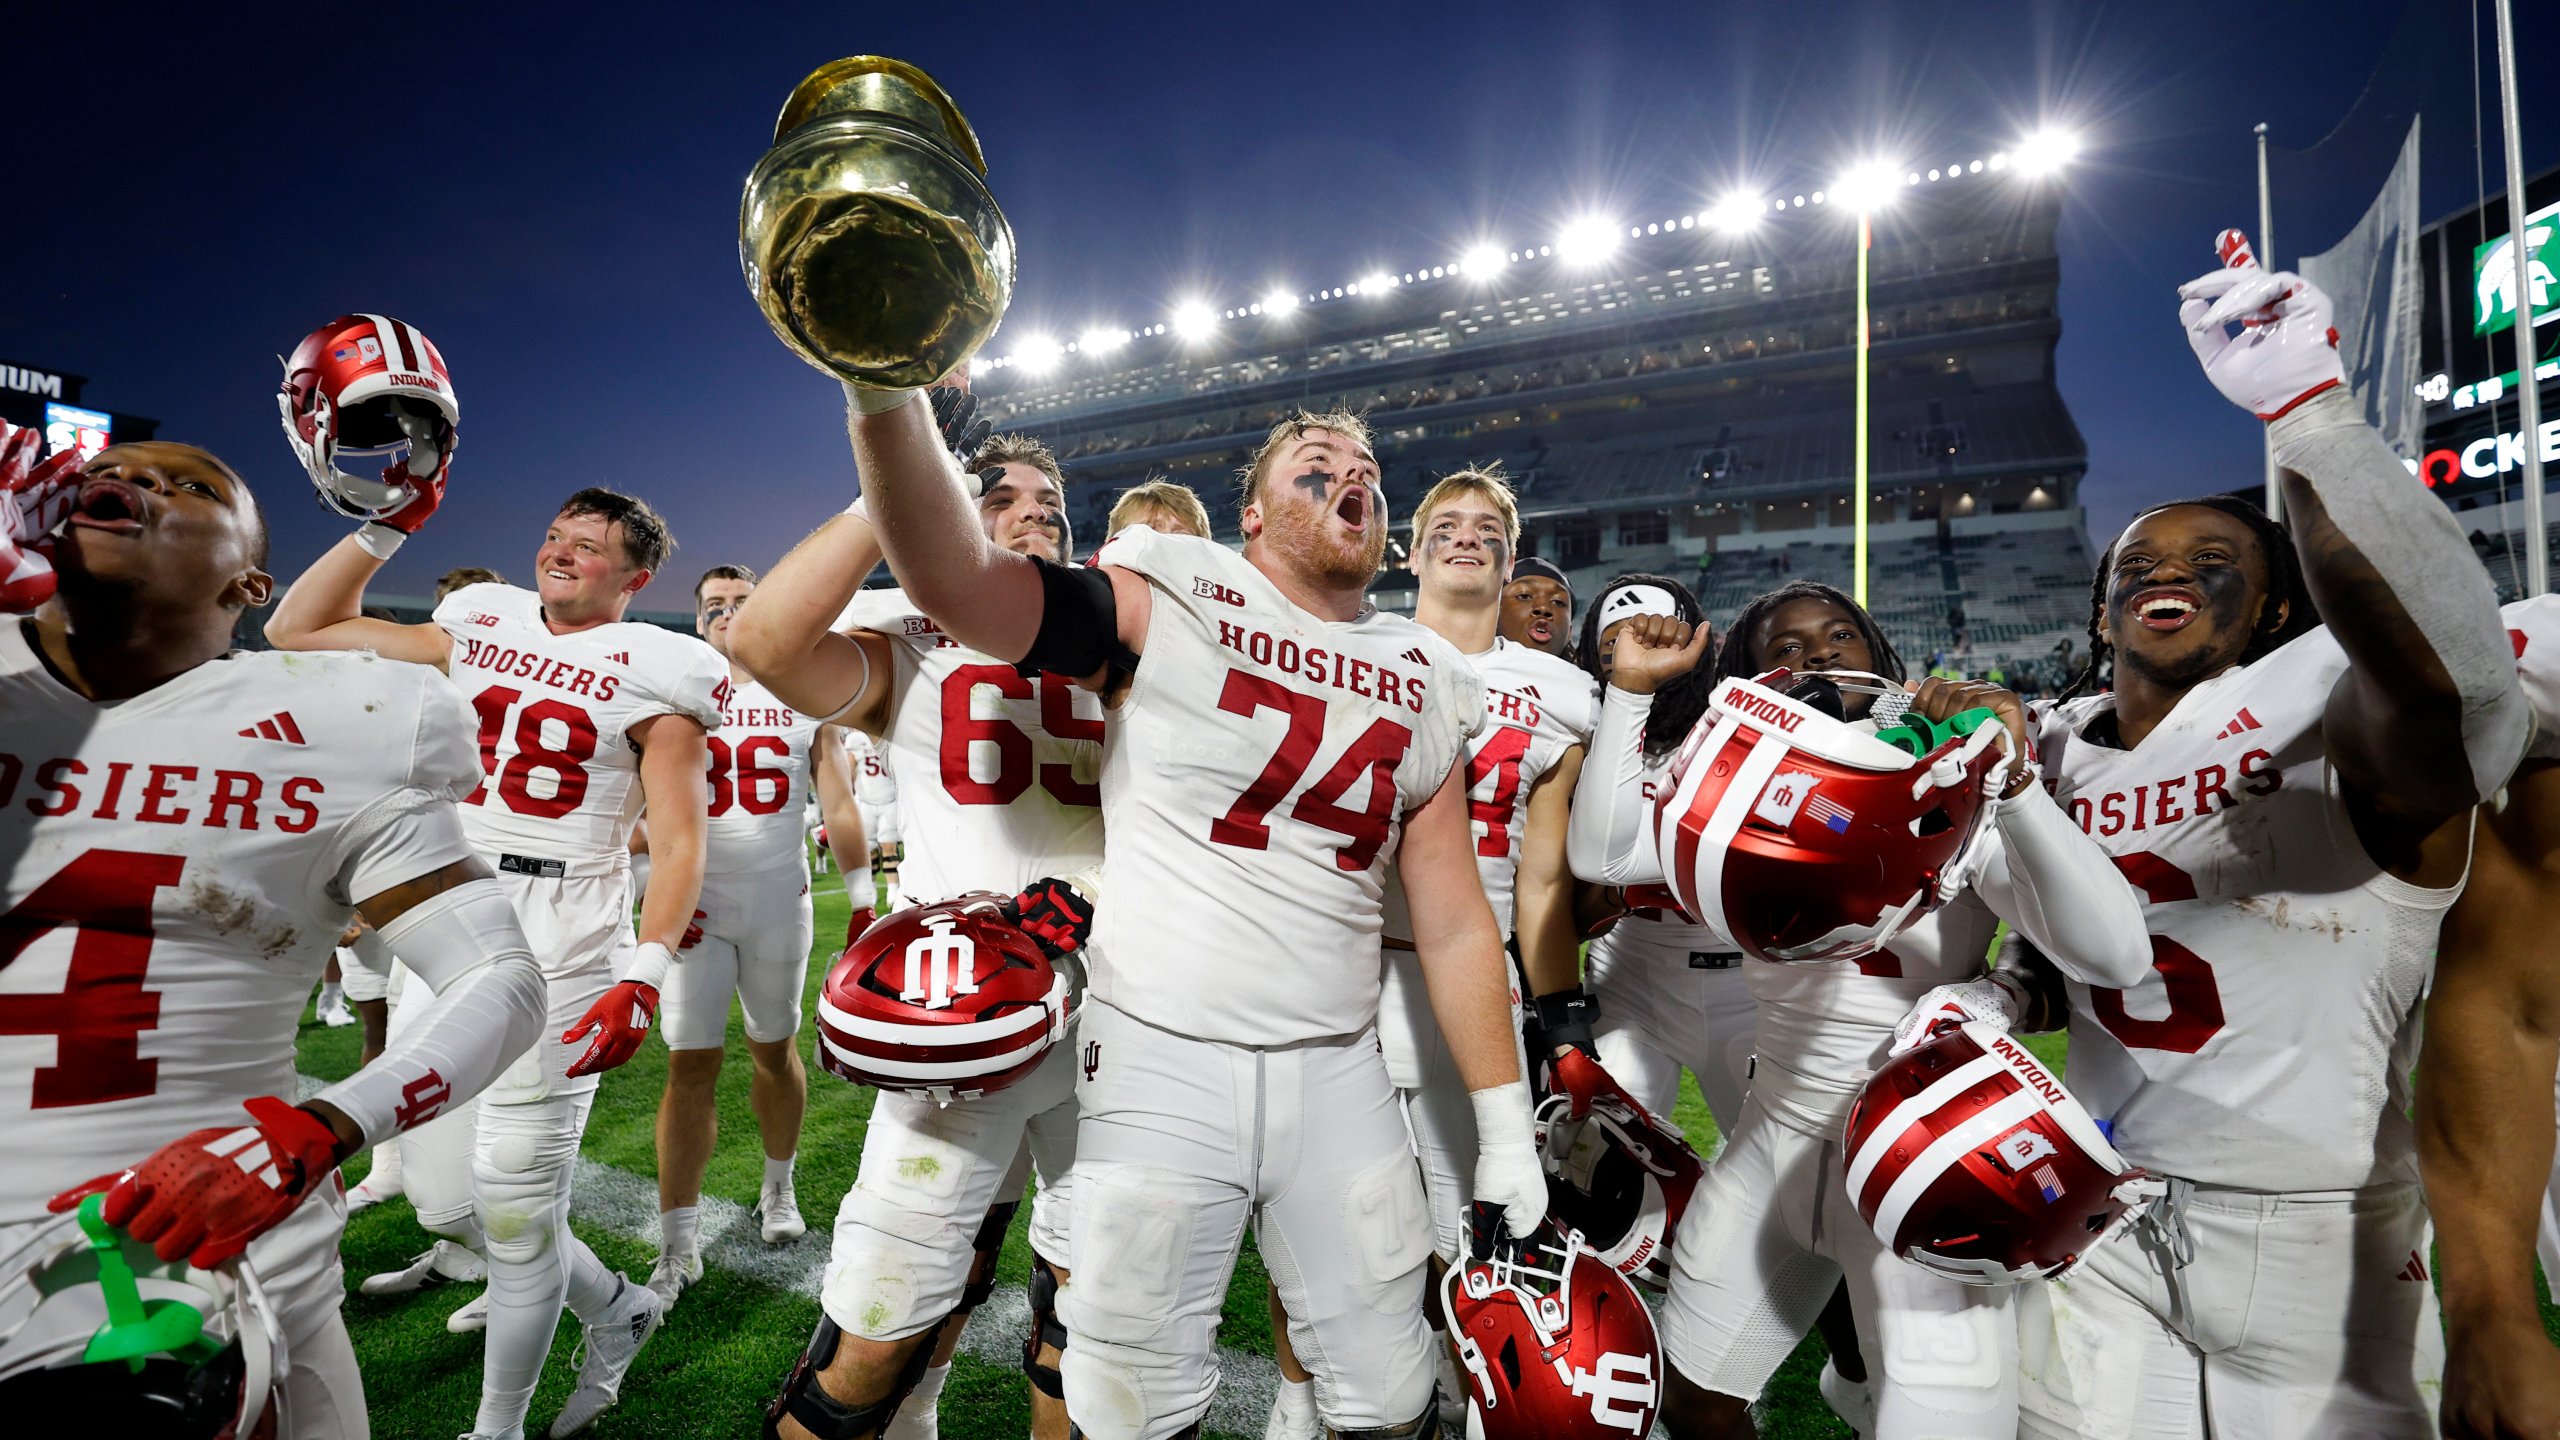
{"type": "Point", "coordinates": [1772, 1228]}
{"type": "Point", "coordinates": [2280, 794]}
{"type": "Point", "coordinates": [1272, 744]}
{"type": "Point", "coordinates": [186, 830]}
{"type": "Point", "coordinates": [370, 385]}
{"type": "Point", "coordinates": [584, 718]}
{"type": "Point", "coordinates": [750, 939]}
{"type": "Point", "coordinates": [998, 769]}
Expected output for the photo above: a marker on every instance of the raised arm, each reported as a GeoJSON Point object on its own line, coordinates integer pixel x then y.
{"type": "Point", "coordinates": [2427, 721]}
{"type": "Point", "coordinates": [782, 635]}
{"type": "Point", "coordinates": [1608, 842]}
{"type": "Point", "coordinates": [324, 610]}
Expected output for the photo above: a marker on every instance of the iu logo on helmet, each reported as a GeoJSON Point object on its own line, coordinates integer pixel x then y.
{"type": "Point", "coordinates": [941, 964]}
{"type": "Point", "coordinates": [1621, 1389]}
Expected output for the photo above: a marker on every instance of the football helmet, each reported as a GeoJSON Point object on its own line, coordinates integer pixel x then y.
{"type": "Point", "coordinates": [369, 385]}
{"type": "Point", "coordinates": [1802, 837]}
{"type": "Point", "coordinates": [1618, 1176]}
{"type": "Point", "coordinates": [1969, 1158]}
{"type": "Point", "coordinates": [93, 1324]}
{"type": "Point", "coordinates": [949, 1000]}
{"type": "Point", "coordinates": [1555, 1343]}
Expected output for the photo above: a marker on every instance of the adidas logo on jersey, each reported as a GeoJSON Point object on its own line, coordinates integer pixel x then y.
{"type": "Point", "coordinates": [2415, 1270]}
{"type": "Point", "coordinates": [620, 657]}
{"type": "Point", "coordinates": [1529, 690]}
{"type": "Point", "coordinates": [2240, 724]}
{"type": "Point", "coordinates": [1416, 656]}
{"type": "Point", "coordinates": [279, 727]}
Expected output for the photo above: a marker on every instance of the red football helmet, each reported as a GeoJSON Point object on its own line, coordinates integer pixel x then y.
{"type": "Point", "coordinates": [1805, 838]}
{"type": "Point", "coordinates": [1619, 1176]}
{"type": "Point", "coordinates": [1555, 1344]}
{"type": "Point", "coordinates": [947, 1000]}
{"type": "Point", "coordinates": [368, 385]}
{"type": "Point", "coordinates": [1969, 1158]}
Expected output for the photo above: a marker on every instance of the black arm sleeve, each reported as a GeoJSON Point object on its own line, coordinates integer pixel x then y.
{"type": "Point", "coordinates": [1079, 624]}
{"type": "Point", "coordinates": [2040, 986]}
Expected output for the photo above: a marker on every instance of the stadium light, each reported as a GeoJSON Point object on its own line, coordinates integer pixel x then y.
{"type": "Point", "coordinates": [1037, 354]}
{"type": "Point", "coordinates": [1193, 320]}
{"type": "Point", "coordinates": [1279, 302]}
{"type": "Point", "coordinates": [1868, 186]}
{"type": "Point", "coordinates": [1481, 261]}
{"type": "Point", "coordinates": [2045, 152]}
{"type": "Point", "coordinates": [1738, 211]}
{"type": "Point", "coordinates": [1377, 284]}
{"type": "Point", "coordinates": [1587, 241]}
{"type": "Point", "coordinates": [1102, 340]}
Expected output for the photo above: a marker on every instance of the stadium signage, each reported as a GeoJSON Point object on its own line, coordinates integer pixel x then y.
{"type": "Point", "coordinates": [2486, 458]}
{"type": "Point", "coordinates": [27, 380]}
{"type": "Point", "coordinates": [2493, 274]}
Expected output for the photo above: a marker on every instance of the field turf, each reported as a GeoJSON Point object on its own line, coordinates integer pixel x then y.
{"type": "Point", "coordinates": [731, 1338]}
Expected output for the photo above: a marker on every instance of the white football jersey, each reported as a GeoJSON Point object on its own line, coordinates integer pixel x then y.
{"type": "Point", "coordinates": [175, 870]}
{"type": "Point", "coordinates": [2533, 628]}
{"type": "Point", "coordinates": [874, 783]}
{"type": "Point", "coordinates": [1255, 781]}
{"type": "Point", "coordinates": [560, 783]}
{"type": "Point", "coordinates": [760, 784]}
{"type": "Point", "coordinates": [1000, 770]}
{"type": "Point", "coordinates": [2269, 1047]}
{"type": "Point", "coordinates": [1536, 708]}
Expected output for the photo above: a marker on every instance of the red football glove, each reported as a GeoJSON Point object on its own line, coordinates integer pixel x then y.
{"type": "Point", "coordinates": [1578, 1075]}
{"type": "Point", "coordinates": [36, 492]}
{"type": "Point", "coordinates": [619, 1020]}
{"type": "Point", "coordinates": [204, 1196]}
{"type": "Point", "coordinates": [692, 933]}
{"type": "Point", "coordinates": [426, 486]}
{"type": "Point", "coordinates": [1054, 914]}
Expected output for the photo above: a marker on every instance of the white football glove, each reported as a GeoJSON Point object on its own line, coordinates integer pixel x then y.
{"type": "Point", "coordinates": [1951, 1005]}
{"type": "Point", "coordinates": [2287, 348]}
{"type": "Point", "coordinates": [1507, 1170]}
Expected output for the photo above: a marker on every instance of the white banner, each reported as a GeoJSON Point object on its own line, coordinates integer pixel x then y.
{"type": "Point", "coordinates": [2372, 278]}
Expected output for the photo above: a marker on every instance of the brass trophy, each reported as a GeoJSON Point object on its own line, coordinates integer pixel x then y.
{"type": "Point", "coordinates": [867, 232]}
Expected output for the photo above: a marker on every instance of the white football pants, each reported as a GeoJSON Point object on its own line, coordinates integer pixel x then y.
{"type": "Point", "coordinates": [1665, 1007]}
{"type": "Point", "coordinates": [2298, 1315]}
{"type": "Point", "coordinates": [1183, 1143]}
{"type": "Point", "coordinates": [756, 931]}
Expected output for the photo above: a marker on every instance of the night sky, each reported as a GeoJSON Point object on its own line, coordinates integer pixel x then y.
{"type": "Point", "coordinates": [554, 200]}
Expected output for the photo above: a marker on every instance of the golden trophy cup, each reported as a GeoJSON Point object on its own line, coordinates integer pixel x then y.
{"type": "Point", "coordinates": [867, 232]}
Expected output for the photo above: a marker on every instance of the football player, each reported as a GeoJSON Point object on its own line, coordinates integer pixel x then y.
{"type": "Point", "coordinates": [2280, 793]}
{"type": "Point", "coordinates": [1001, 767]}
{"type": "Point", "coordinates": [1520, 773]}
{"type": "Point", "coordinates": [1537, 607]}
{"type": "Point", "coordinates": [1667, 990]}
{"type": "Point", "coordinates": [1772, 1230]}
{"type": "Point", "coordinates": [875, 794]}
{"type": "Point", "coordinates": [584, 718]}
{"type": "Point", "coordinates": [2493, 1027]}
{"type": "Point", "coordinates": [1269, 740]}
{"type": "Point", "coordinates": [750, 939]}
{"type": "Point", "coordinates": [1165, 505]}
{"type": "Point", "coordinates": [186, 831]}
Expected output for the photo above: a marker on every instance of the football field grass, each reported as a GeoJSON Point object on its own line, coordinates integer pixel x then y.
{"type": "Point", "coordinates": [733, 1335]}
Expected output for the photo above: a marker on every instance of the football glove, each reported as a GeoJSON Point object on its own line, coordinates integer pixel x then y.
{"type": "Point", "coordinates": [205, 1195]}
{"type": "Point", "coordinates": [692, 933]}
{"type": "Point", "coordinates": [619, 1020]}
{"type": "Point", "coordinates": [1949, 1006]}
{"type": "Point", "coordinates": [1055, 914]}
{"type": "Point", "coordinates": [955, 414]}
{"type": "Point", "coordinates": [2287, 348]}
{"type": "Point", "coordinates": [424, 469]}
{"type": "Point", "coordinates": [1508, 1174]}
{"type": "Point", "coordinates": [36, 493]}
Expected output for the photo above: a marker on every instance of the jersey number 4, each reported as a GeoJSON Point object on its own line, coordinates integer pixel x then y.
{"type": "Point", "coordinates": [98, 1017]}
{"type": "Point", "coordinates": [565, 762]}
{"type": "Point", "coordinates": [2195, 1001]}
{"type": "Point", "coordinates": [1370, 759]}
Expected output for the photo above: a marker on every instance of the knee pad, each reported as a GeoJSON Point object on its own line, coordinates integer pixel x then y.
{"type": "Point", "coordinates": [1046, 1330]}
{"type": "Point", "coordinates": [826, 1417]}
{"type": "Point", "coordinates": [520, 1188]}
{"type": "Point", "coordinates": [1425, 1426]}
{"type": "Point", "coordinates": [990, 1247]}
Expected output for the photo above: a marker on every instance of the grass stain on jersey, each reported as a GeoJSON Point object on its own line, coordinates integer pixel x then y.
{"type": "Point", "coordinates": [230, 912]}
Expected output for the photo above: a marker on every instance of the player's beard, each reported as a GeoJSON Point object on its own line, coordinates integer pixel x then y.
{"type": "Point", "coordinates": [1305, 540]}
